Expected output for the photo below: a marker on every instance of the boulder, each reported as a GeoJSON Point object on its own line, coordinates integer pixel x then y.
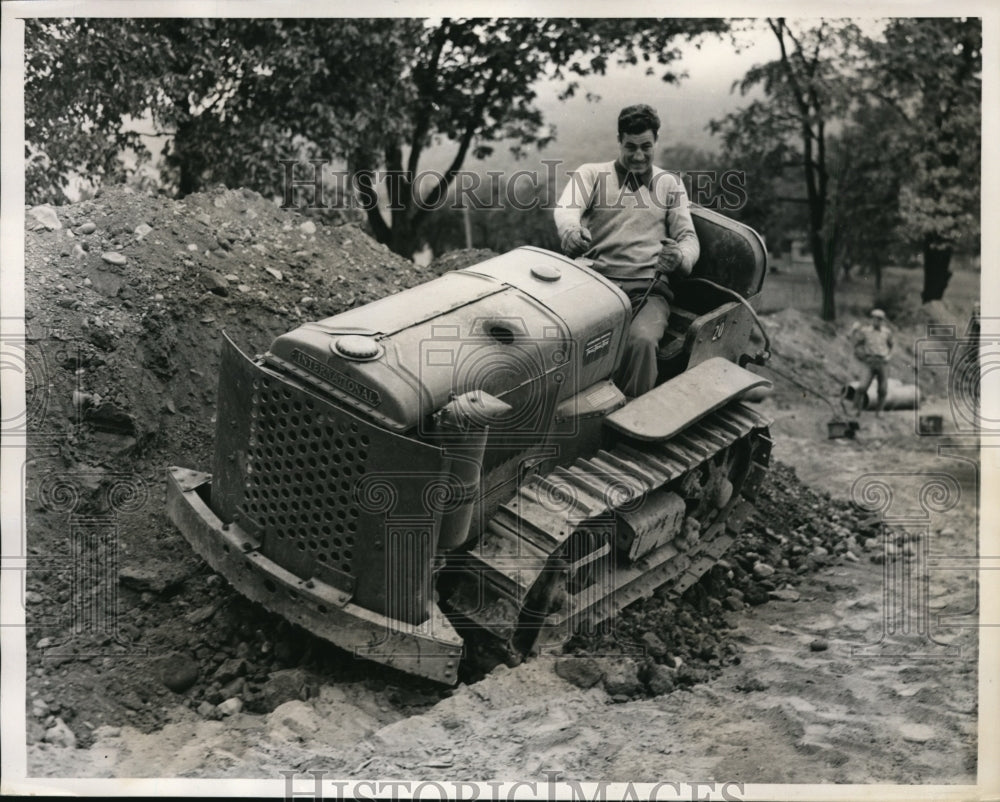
{"type": "Point", "coordinates": [230, 669]}
{"type": "Point", "coordinates": [286, 685]}
{"type": "Point", "coordinates": [584, 672]}
{"type": "Point", "coordinates": [661, 680]}
{"type": "Point", "coordinates": [621, 676]}
{"type": "Point", "coordinates": [178, 672]}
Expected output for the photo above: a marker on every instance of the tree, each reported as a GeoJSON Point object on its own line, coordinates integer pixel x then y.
{"type": "Point", "coordinates": [231, 96]}
{"type": "Point", "coordinates": [809, 87]}
{"type": "Point", "coordinates": [69, 130]}
{"type": "Point", "coordinates": [868, 167]}
{"type": "Point", "coordinates": [504, 216]}
{"type": "Point", "coordinates": [774, 204]}
{"type": "Point", "coordinates": [928, 73]}
{"type": "Point", "coordinates": [474, 84]}
{"type": "Point", "coordinates": [234, 96]}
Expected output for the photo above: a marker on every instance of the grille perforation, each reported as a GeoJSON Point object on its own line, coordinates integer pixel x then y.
{"type": "Point", "coordinates": [299, 478]}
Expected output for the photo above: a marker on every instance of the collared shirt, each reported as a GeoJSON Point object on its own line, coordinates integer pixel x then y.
{"type": "Point", "coordinates": [872, 343]}
{"type": "Point", "coordinates": [631, 181]}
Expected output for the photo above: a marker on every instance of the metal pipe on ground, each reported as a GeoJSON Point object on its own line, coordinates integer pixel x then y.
{"type": "Point", "coordinates": [898, 395]}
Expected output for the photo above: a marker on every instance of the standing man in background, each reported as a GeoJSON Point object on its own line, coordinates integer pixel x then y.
{"type": "Point", "coordinates": [873, 346]}
{"type": "Point", "coordinates": [632, 220]}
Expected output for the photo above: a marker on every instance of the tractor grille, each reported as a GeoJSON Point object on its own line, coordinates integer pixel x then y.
{"type": "Point", "coordinates": [302, 466]}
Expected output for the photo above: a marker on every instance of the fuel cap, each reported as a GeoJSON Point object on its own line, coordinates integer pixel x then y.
{"type": "Point", "coordinates": [356, 346]}
{"type": "Point", "coordinates": [546, 272]}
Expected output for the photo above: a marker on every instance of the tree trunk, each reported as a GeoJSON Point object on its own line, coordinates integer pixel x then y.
{"type": "Point", "coordinates": [826, 272]}
{"type": "Point", "coordinates": [187, 181]}
{"type": "Point", "coordinates": [404, 239]}
{"type": "Point", "coordinates": [186, 158]}
{"type": "Point", "coordinates": [936, 272]}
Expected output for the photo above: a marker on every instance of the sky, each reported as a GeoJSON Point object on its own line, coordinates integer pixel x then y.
{"type": "Point", "coordinates": [586, 131]}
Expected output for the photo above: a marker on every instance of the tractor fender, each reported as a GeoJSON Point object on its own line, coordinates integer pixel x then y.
{"type": "Point", "coordinates": [676, 404]}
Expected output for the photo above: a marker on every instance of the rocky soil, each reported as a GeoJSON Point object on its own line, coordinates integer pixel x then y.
{"type": "Point", "coordinates": [754, 675]}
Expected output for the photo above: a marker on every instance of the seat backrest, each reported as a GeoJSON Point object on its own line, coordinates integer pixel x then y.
{"type": "Point", "coordinates": [732, 254]}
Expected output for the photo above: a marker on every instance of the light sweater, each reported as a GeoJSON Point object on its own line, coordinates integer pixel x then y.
{"type": "Point", "coordinates": [627, 227]}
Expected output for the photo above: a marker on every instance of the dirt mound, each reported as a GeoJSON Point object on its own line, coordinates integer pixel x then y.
{"type": "Point", "coordinates": [126, 300]}
{"type": "Point", "coordinates": [813, 359]}
{"type": "Point", "coordinates": [456, 260]}
{"type": "Point", "coordinates": [134, 292]}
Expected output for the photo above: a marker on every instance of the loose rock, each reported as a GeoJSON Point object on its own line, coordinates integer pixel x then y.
{"type": "Point", "coordinates": [584, 672]}
{"type": "Point", "coordinates": [86, 228]}
{"type": "Point", "coordinates": [308, 227]}
{"type": "Point", "coordinates": [142, 230]}
{"type": "Point", "coordinates": [230, 669]}
{"type": "Point", "coordinates": [762, 570]}
{"type": "Point", "coordinates": [47, 216]}
{"type": "Point", "coordinates": [153, 577]}
{"type": "Point", "coordinates": [178, 672]}
{"type": "Point", "coordinates": [653, 644]}
{"type": "Point", "coordinates": [234, 688]}
{"type": "Point", "coordinates": [230, 706]}
{"type": "Point", "coordinates": [286, 685]}
{"type": "Point", "coordinates": [215, 283]}
{"type": "Point", "coordinates": [208, 710]}
{"type": "Point", "coordinates": [60, 735]}
{"type": "Point", "coordinates": [622, 677]}
{"type": "Point", "coordinates": [661, 680]}
{"type": "Point", "coordinates": [819, 645]}
{"type": "Point", "coordinates": [114, 258]}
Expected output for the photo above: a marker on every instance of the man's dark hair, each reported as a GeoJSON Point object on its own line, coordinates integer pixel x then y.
{"type": "Point", "coordinates": [638, 119]}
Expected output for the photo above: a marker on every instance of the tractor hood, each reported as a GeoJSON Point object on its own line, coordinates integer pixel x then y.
{"type": "Point", "coordinates": [511, 327]}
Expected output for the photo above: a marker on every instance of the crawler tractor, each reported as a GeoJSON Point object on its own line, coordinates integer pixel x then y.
{"type": "Point", "coordinates": [454, 464]}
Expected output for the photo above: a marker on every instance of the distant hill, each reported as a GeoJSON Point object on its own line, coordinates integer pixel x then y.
{"type": "Point", "coordinates": [586, 130]}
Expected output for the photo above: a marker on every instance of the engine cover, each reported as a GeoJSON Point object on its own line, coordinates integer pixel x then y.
{"type": "Point", "coordinates": [529, 327]}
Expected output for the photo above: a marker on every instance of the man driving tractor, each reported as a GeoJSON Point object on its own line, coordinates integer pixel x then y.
{"type": "Point", "coordinates": [631, 219]}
